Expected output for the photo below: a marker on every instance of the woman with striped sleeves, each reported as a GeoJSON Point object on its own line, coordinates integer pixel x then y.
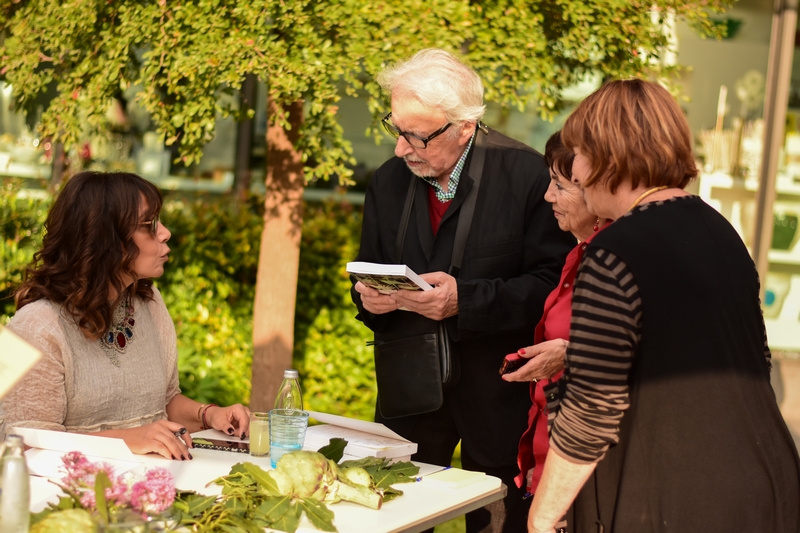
{"type": "Point", "coordinates": [667, 421]}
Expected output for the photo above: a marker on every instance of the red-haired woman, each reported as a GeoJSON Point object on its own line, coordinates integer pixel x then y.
{"type": "Point", "coordinates": [109, 364]}
{"type": "Point", "coordinates": [667, 421]}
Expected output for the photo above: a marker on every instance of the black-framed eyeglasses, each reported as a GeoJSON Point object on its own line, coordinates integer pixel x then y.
{"type": "Point", "coordinates": [152, 225]}
{"type": "Point", "coordinates": [414, 140]}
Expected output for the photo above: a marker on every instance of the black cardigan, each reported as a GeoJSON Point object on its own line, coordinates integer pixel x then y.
{"type": "Point", "coordinates": [703, 446]}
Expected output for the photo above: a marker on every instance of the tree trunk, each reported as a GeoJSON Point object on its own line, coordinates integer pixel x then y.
{"type": "Point", "coordinates": [279, 257]}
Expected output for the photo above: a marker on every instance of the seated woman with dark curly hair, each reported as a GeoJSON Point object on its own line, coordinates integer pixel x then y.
{"type": "Point", "coordinates": [88, 303]}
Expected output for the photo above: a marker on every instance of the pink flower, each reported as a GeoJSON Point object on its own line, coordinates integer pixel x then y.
{"type": "Point", "coordinates": [87, 499]}
{"type": "Point", "coordinates": [119, 493]}
{"type": "Point", "coordinates": [81, 476]}
{"type": "Point", "coordinates": [160, 474]}
{"type": "Point", "coordinates": [155, 494]}
{"type": "Point", "coordinates": [152, 495]}
{"type": "Point", "coordinates": [80, 472]}
{"type": "Point", "coordinates": [74, 459]}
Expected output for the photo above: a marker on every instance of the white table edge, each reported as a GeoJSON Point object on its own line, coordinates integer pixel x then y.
{"type": "Point", "coordinates": [454, 511]}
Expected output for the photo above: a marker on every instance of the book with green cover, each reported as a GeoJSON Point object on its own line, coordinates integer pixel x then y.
{"type": "Point", "coordinates": [387, 278]}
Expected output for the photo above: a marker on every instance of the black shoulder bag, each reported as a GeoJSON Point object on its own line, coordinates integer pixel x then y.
{"type": "Point", "coordinates": [417, 360]}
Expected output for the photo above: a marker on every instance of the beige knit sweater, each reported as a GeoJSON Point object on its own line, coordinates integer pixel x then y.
{"type": "Point", "coordinates": [75, 387]}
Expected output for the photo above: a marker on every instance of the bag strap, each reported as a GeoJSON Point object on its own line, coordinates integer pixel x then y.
{"type": "Point", "coordinates": [401, 232]}
{"type": "Point", "coordinates": [467, 208]}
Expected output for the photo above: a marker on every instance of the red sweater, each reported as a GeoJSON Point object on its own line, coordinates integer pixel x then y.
{"type": "Point", "coordinates": [436, 209]}
{"type": "Point", "coordinates": [535, 442]}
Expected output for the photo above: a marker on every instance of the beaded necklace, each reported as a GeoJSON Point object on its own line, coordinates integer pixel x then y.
{"type": "Point", "coordinates": [120, 335]}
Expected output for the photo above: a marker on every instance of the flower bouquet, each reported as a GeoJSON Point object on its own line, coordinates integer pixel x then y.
{"type": "Point", "coordinates": [99, 500]}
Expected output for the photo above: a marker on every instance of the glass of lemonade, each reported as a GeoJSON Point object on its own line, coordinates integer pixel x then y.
{"type": "Point", "coordinates": [259, 434]}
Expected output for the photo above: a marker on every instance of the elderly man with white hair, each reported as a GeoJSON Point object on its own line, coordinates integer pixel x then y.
{"type": "Point", "coordinates": [513, 253]}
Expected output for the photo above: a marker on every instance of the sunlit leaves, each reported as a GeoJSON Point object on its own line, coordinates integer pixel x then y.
{"type": "Point", "coordinates": [185, 54]}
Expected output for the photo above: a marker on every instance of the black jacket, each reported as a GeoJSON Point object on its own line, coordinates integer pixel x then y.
{"type": "Point", "coordinates": [513, 259]}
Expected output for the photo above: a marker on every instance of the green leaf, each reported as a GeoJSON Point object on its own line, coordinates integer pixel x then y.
{"type": "Point", "coordinates": [274, 507]}
{"type": "Point", "coordinates": [232, 528]}
{"type": "Point", "coordinates": [101, 483]}
{"type": "Point", "coordinates": [237, 504]}
{"type": "Point", "coordinates": [390, 493]}
{"type": "Point", "coordinates": [384, 478]}
{"type": "Point", "coordinates": [406, 471]}
{"type": "Point", "coordinates": [197, 504]}
{"type": "Point", "coordinates": [71, 501]}
{"type": "Point", "coordinates": [238, 468]}
{"type": "Point", "coordinates": [263, 478]}
{"type": "Point", "coordinates": [365, 463]}
{"type": "Point", "coordinates": [334, 450]}
{"type": "Point", "coordinates": [289, 520]}
{"type": "Point", "coordinates": [318, 514]}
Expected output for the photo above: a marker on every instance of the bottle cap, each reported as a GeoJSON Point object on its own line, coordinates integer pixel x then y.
{"type": "Point", "coordinates": [290, 374]}
{"type": "Point", "coordinates": [14, 440]}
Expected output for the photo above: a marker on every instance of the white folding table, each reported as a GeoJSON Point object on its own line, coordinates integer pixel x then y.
{"type": "Point", "coordinates": [422, 505]}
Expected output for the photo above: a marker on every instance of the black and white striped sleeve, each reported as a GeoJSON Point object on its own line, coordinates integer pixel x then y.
{"type": "Point", "coordinates": [604, 333]}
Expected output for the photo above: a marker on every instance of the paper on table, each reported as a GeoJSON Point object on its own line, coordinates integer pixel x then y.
{"type": "Point", "coordinates": [425, 469]}
{"type": "Point", "coordinates": [363, 438]}
{"type": "Point", "coordinates": [16, 358]}
{"type": "Point", "coordinates": [454, 478]}
{"type": "Point", "coordinates": [43, 493]}
{"type": "Point", "coordinates": [48, 464]}
{"type": "Point", "coordinates": [359, 425]}
{"type": "Point", "coordinates": [359, 444]}
{"type": "Point", "coordinates": [89, 445]}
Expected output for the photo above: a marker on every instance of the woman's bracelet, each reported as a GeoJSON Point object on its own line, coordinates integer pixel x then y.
{"type": "Point", "coordinates": [199, 412]}
{"type": "Point", "coordinates": [203, 414]}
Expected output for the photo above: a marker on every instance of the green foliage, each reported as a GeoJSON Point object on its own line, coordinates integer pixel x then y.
{"type": "Point", "coordinates": [101, 483]}
{"type": "Point", "coordinates": [21, 224]}
{"type": "Point", "coordinates": [253, 498]}
{"type": "Point", "coordinates": [383, 472]}
{"type": "Point", "coordinates": [184, 55]}
{"type": "Point", "coordinates": [330, 344]}
{"type": "Point", "coordinates": [209, 285]}
{"type": "Point", "coordinates": [338, 369]}
{"type": "Point", "coordinates": [334, 450]}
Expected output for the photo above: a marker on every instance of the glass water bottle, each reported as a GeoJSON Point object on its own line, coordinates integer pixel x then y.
{"type": "Point", "coordinates": [15, 496]}
{"type": "Point", "coordinates": [289, 396]}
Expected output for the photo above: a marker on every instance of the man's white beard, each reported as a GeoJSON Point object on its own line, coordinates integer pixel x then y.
{"type": "Point", "coordinates": [417, 173]}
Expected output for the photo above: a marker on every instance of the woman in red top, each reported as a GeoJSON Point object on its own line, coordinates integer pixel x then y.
{"type": "Point", "coordinates": [546, 356]}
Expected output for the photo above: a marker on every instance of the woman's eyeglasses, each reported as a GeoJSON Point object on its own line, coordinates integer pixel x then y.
{"type": "Point", "coordinates": [414, 140]}
{"type": "Point", "coordinates": [152, 226]}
